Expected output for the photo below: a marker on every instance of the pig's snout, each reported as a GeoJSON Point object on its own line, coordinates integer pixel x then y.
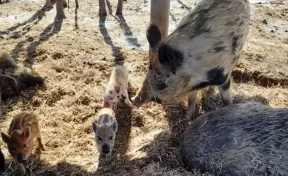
{"type": "Point", "coordinates": [105, 149]}
{"type": "Point", "coordinates": [21, 157]}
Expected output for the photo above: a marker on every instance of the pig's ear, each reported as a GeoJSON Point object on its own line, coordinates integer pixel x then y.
{"type": "Point", "coordinates": [114, 126]}
{"type": "Point", "coordinates": [95, 127]}
{"type": "Point", "coordinates": [153, 35]}
{"type": "Point", "coordinates": [5, 137]}
{"type": "Point", "coordinates": [27, 133]}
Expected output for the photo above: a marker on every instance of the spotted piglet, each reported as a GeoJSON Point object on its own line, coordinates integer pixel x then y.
{"type": "Point", "coordinates": [117, 88]}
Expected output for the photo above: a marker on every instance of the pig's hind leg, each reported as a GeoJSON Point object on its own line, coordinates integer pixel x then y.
{"type": "Point", "coordinates": [40, 145]}
{"type": "Point", "coordinates": [125, 96]}
{"type": "Point", "coordinates": [192, 97]}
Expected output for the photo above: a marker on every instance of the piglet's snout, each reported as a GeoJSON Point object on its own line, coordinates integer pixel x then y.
{"type": "Point", "coordinates": [105, 149]}
{"type": "Point", "coordinates": [21, 157]}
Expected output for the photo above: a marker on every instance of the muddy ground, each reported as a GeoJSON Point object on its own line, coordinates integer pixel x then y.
{"type": "Point", "coordinates": [76, 55]}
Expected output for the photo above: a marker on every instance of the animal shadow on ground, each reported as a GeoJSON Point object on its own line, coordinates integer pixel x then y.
{"type": "Point", "coordinates": [49, 31]}
{"type": "Point", "coordinates": [28, 24]}
{"type": "Point", "coordinates": [126, 29]}
{"type": "Point", "coordinates": [76, 16]}
{"type": "Point", "coordinates": [36, 167]}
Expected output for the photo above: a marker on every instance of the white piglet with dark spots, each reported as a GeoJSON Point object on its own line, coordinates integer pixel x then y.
{"type": "Point", "coordinates": [117, 88]}
{"type": "Point", "coordinates": [201, 52]}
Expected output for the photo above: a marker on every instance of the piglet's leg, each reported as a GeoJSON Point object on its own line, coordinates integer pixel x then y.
{"type": "Point", "coordinates": [39, 140]}
{"type": "Point", "coordinates": [126, 99]}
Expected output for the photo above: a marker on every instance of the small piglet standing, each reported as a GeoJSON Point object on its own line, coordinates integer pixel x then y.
{"type": "Point", "coordinates": [117, 88]}
{"type": "Point", "coordinates": [105, 131]}
{"type": "Point", "coordinates": [22, 131]}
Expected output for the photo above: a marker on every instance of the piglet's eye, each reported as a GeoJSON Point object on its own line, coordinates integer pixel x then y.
{"type": "Point", "coordinates": [25, 146]}
{"type": "Point", "coordinates": [99, 139]}
{"type": "Point", "coordinates": [13, 149]}
{"type": "Point", "coordinates": [111, 138]}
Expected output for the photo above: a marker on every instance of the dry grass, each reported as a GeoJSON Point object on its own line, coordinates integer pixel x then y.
{"type": "Point", "coordinates": [75, 56]}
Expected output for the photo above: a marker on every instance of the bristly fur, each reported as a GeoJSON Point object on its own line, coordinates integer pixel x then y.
{"type": "Point", "coordinates": [14, 78]}
{"type": "Point", "coordinates": [243, 139]}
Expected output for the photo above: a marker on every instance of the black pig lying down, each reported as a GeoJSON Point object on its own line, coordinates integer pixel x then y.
{"type": "Point", "coordinates": [201, 52]}
{"type": "Point", "coordinates": [243, 139]}
{"type": "Point", "coordinates": [14, 78]}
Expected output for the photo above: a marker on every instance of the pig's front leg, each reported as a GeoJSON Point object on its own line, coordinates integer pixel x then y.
{"type": "Point", "coordinates": [192, 97]}
{"type": "Point", "coordinates": [225, 92]}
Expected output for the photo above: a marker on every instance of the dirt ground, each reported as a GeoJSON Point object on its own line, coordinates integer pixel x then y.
{"type": "Point", "coordinates": [76, 55]}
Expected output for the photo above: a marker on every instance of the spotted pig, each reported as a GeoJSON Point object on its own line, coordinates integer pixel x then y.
{"type": "Point", "coordinates": [201, 52]}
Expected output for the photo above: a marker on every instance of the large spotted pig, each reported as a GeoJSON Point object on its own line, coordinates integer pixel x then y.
{"type": "Point", "coordinates": [243, 139]}
{"type": "Point", "coordinates": [201, 52]}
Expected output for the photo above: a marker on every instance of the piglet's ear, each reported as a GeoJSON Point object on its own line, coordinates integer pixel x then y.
{"type": "Point", "coordinates": [95, 127]}
{"type": "Point", "coordinates": [5, 137]}
{"type": "Point", "coordinates": [114, 126]}
{"type": "Point", "coordinates": [27, 133]}
{"type": "Point", "coordinates": [153, 35]}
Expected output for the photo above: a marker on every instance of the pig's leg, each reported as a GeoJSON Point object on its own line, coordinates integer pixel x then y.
{"type": "Point", "coordinates": [102, 8]}
{"type": "Point", "coordinates": [60, 9]}
{"type": "Point", "coordinates": [126, 98]}
{"type": "Point", "coordinates": [119, 7]}
{"type": "Point", "coordinates": [225, 92]}
{"type": "Point", "coordinates": [21, 168]}
{"type": "Point", "coordinates": [192, 96]}
{"type": "Point", "coordinates": [48, 5]}
{"type": "Point", "coordinates": [211, 90]}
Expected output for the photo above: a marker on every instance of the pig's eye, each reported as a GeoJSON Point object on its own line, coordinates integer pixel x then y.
{"type": "Point", "coordinates": [99, 139]}
{"type": "Point", "coordinates": [13, 149]}
{"type": "Point", "coordinates": [111, 138]}
{"type": "Point", "coordinates": [25, 146]}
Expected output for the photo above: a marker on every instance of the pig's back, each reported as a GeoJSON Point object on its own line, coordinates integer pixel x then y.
{"type": "Point", "coordinates": [22, 121]}
{"type": "Point", "coordinates": [215, 28]}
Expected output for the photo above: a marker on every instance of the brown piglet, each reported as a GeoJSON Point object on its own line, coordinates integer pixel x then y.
{"type": "Point", "coordinates": [22, 131]}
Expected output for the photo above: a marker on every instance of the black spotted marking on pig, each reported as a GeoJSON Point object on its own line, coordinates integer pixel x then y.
{"type": "Point", "coordinates": [226, 85]}
{"type": "Point", "coordinates": [153, 35]}
{"type": "Point", "coordinates": [110, 92]}
{"type": "Point", "coordinates": [170, 57]}
{"type": "Point", "coordinates": [219, 49]}
{"type": "Point", "coordinates": [123, 97]}
{"type": "Point", "coordinates": [214, 76]}
{"type": "Point", "coordinates": [200, 86]}
{"type": "Point", "coordinates": [200, 20]}
{"type": "Point", "coordinates": [117, 89]}
{"type": "Point", "coordinates": [234, 43]}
